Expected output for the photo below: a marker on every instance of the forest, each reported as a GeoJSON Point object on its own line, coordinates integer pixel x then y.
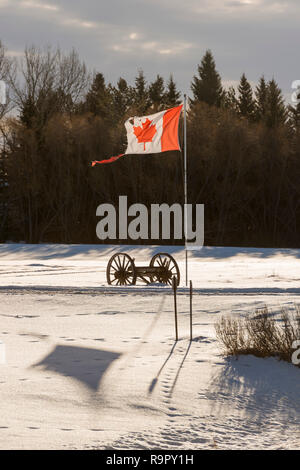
{"type": "Point", "coordinates": [243, 152]}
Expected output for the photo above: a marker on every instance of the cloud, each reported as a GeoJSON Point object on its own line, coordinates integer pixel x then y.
{"type": "Point", "coordinates": [227, 6]}
{"type": "Point", "coordinates": [34, 4]}
{"type": "Point", "coordinates": [117, 37]}
{"type": "Point", "coordinates": [79, 23]}
{"type": "Point", "coordinates": [151, 47]}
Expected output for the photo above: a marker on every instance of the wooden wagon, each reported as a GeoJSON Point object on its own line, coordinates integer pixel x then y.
{"type": "Point", "coordinates": [122, 270]}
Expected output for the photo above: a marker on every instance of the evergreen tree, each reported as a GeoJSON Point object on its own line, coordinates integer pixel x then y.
{"type": "Point", "coordinates": [98, 99]}
{"type": "Point", "coordinates": [141, 93]}
{"type": "Point", "coordinates": [230, 100]}
{"type": "Point", "coordinates": [28, 113]}
{"type": "Point", "coordinates": [261, 99]}
{"type": "Point", "coordinates": [245, 103]}
{"type": "Point", "coordinates": [122, 96]}
{"type": "Point", "coordinates": [276, 112]}
{"type": "Point", "coordinates": [294, 117]}
{"type": "Point", "coordinates": [172, 96]}
{"type": "Point", "coordinates": [34, 114]}
{"type": "Point", "coordinates": [207, 87]}
{"type": "Point", "coordinates": [157, 93]}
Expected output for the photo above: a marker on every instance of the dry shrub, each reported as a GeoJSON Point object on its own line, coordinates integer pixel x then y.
{"type": "Point", "coordinates": [260, 334]}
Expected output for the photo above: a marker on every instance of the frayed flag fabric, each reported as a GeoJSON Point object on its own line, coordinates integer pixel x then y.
{"type": "Point", "coordinates": [109, 160]}
{"type": "Point", "coordinates": [155, 133]}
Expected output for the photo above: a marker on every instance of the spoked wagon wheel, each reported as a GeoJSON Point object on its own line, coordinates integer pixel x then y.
{"type": "Point", "coordinates": [169, 268]}
{"type": "Point", "coordinates": [120, 270]}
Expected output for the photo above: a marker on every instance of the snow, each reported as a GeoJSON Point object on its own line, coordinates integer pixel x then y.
{"type": "Point", "coordinates": [90, 366]}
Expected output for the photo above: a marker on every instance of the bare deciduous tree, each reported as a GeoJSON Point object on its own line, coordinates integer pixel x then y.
{"type": "Point", "coordinates": [6, 70]}
{"type": "Point", "coordinates": [47, 82]}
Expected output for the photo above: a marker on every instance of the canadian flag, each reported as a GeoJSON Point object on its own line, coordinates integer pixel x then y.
{"type": "Point", "coordinates": [151, 134]}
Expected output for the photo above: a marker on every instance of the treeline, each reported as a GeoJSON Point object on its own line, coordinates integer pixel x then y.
{"type": "Point", "coordinates": [243, 152]}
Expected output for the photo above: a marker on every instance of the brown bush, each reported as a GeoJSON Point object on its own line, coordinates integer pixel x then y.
{"type": "Point", "coordinates": [260, 334]}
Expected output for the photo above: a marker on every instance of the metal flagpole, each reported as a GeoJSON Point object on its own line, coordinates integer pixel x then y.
{"type": "Point", "coordinates": [185, 195]}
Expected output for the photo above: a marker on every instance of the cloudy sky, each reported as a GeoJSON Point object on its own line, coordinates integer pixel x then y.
{"type": "Point", "coordinates": [117, 37]}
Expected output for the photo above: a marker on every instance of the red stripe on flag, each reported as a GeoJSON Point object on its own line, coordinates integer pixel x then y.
{"type": "Point", "coordinates": [110, 160]}
{"type": "Point", "coordinates": [169, 139]}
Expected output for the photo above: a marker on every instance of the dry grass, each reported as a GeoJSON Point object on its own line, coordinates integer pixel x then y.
{"type": "Point", "coordinates": [260, 334]}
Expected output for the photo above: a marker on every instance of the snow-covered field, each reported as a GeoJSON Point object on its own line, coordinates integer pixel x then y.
{"type": "Point", "coordinates": [92, 366]}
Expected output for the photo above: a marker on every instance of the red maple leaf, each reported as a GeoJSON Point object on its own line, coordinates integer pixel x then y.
{"type": "Point", "coordinates": [145, 133]}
